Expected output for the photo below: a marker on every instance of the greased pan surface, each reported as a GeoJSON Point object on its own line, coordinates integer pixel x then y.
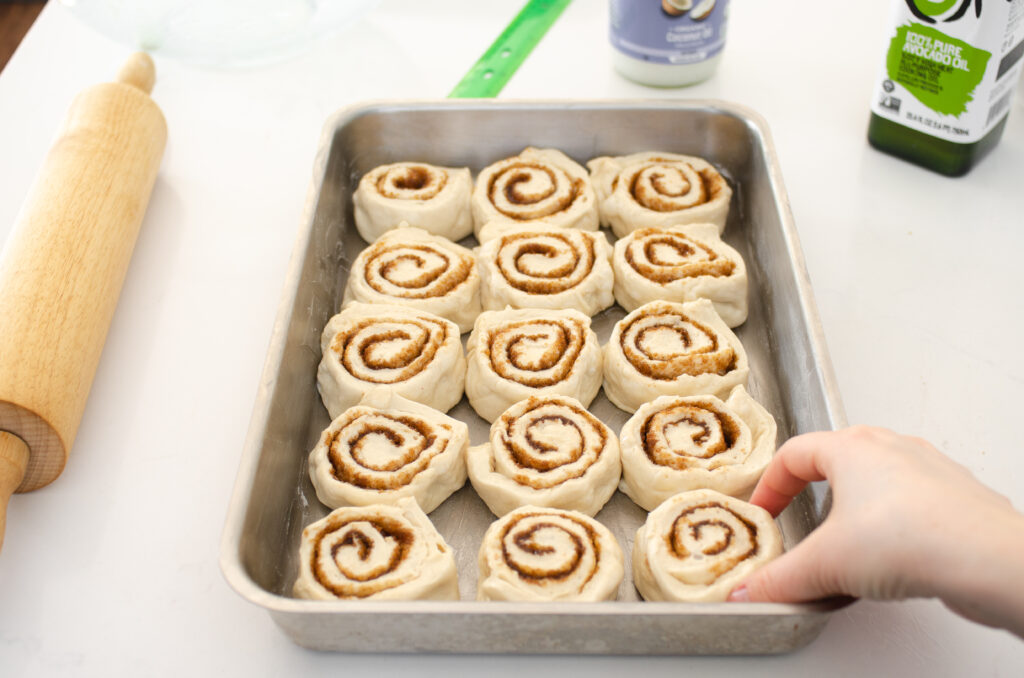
{"type": "Point", "coordinates": [790, 375]}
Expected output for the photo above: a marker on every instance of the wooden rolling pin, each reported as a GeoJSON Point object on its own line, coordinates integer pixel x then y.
{"type": "Point", "coordinates": [62, 269]}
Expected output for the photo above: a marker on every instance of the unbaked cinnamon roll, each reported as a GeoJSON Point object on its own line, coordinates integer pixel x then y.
{"type": "Point", "coordinates": [410, 267]}
{"type": "Point", "coordinates": [433, 198]}
{"type": "Point", "coordinates": [544, 554]}
{"type": "Point", "coordinates": [698, 546]}
{"type": "Point", "coordinates": [665, 348]}
{"type": "Point", "coordinates": [537, 184]}
{"type": "Point", "coordinates": [546, 451]}
{"type": "Point", "coordinates": [544, 267]}
{"type": "Point", "coordinates": [388, 447]}
{"type": "Point", "coordinates": [674, 444]}
{"type": "Point", "coordinates": [518, 353]}
{"type": "Point", "coordinates": [416, 354]}
{"type": "Point", "coordinates": [655, 189]}
{"type": "Point", "coordinates": [681, 263]}
{"type": "Point", "coordinates": [378, 552]}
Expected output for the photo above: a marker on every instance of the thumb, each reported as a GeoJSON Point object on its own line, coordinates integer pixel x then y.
{"type": "Point", "coordinates": [799, 575]}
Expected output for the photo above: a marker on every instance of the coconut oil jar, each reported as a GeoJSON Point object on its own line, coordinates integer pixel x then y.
{"type": "Point", "coordinates": [667, 43]}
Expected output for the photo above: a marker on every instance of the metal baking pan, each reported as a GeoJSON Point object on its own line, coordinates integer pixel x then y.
{"type": "Point", "coordinates": [790, 374]}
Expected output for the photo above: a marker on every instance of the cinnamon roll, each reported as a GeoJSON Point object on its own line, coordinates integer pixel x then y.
{"type": "Point", "coordinates": [673, 444]}
{"type": "Point", "coordinates": [386, 448]}
{"type": "Point", "coordinates": [537, 184]}
{"type": "Point", "coordinates": [378, 552]}
{"type": "Point", "coordinates": [655, 189]}
{"type": "Point", "coordinates": [698, 546]}
{"type": "Point", "coordinates": [666, 348]}
{"type": "Point", "coordinates": [415, 353]}
{"type": "Point", "coordinates": [540, 266]}
{"type": "Point", "coordinates": [546, 451]}
{"type": "Point", "coordinates": [410, 267]}
{"type": "Point", "coordinates": [433, 198]}
{"type": "Point", "coordinates": [681, 263]}
{"type": "Point", "coordinates": [518, 353]}
{"type": "Point", "coordinates": [545, 554]}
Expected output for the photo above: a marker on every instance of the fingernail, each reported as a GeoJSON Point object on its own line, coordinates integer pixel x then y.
{"type": "Point", "coordinates": [739, 594]}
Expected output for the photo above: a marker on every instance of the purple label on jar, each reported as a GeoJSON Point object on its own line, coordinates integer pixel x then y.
{"type": "Point", "coordinates": [669, 31]}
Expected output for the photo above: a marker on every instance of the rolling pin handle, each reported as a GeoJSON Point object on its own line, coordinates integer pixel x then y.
{"type": "Point", "coordinates": [13, 462]}
{"type": "Point", "coordinates": [139, 72]}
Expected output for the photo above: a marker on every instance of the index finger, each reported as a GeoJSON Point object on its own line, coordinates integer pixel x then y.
{"type": "Point", "coordinates": [799, 461]}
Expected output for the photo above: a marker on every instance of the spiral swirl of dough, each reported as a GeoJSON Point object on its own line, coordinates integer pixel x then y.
{"type": "Point", "coordinates": [665, 348]}
{"type": "Point", "coordinates": [421, 339]}
{"type": "Point", "coordinates": [409, 181]}
{"type": "Point", "coordinates": [542, 554]}
{"type": "Point", "coordinates": [512, 359]}
{"type": "Point", "coordinates": [527, 191]}
{"type": "Point", "coordinates": [681, 263]}
{"type": "Point", "coordinates": [537, 184]}
{"type": "Point", "coordinates": [658, 189]}
{"type": "Point", "coordinates": [418, 354]}
{"type": "Point", "coordinates": [379, 552]}
{"type": "Point", "coordinates": [711, 441]}
{"type": "Point", "coordinates": [667, 186]}
{"type": "Point", "coordinates": [414, 270]}
{"type": "Point", "coordinates": [517, 353]}
{"type": "Point", "coordinates": [433, 198]}
{"type": "Point", "coordinates": [546, 263]}
{"type": "Point", "coordinates": [697, 546]}
{"type": "Point", "coordinates": [546, 451]}
{"type": "Point", "coordinates": [388, 447]}
{"type": "Point", "coordinates": [675, 443]}
{"type": "Point", "coordinates": [691, 348]}
{"type": "Point", "coordinates": [415, 442]}
{"type": "Point", "coordinates": [544, 267]}
{"type": "Point", "coordinates": [689, 257]}
{"type": "Point", "coordinates": [410, 267]}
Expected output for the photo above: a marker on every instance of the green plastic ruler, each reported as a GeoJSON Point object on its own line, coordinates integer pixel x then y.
{"type": "Point", "coordinates": [502, 59]}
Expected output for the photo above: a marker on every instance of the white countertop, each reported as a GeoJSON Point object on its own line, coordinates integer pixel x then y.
{"type": "Point", "coordinates": [113, 569]}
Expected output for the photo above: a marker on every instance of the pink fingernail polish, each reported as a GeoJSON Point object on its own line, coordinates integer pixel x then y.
{"type": "Point", "coordinates": [740, 594]}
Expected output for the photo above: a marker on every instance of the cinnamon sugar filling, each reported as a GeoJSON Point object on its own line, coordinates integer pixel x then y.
{"type": "Point", "coordinates": [527, 539]}
{"type": "Point", "coordinates": [363, 582]}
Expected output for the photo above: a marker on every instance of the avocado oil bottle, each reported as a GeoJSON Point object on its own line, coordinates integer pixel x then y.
{"type": "Point", "coordinates": [947, 82]}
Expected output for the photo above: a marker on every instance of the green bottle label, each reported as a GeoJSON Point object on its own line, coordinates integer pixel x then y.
{"type": "Point", "coordinates": [951, 66]}
{"type": "Point", "coordinates": [940, 71]}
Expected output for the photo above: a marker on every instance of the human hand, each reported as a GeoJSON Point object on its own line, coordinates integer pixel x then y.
{"type": "Point", "coordinates": [906, 521]}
